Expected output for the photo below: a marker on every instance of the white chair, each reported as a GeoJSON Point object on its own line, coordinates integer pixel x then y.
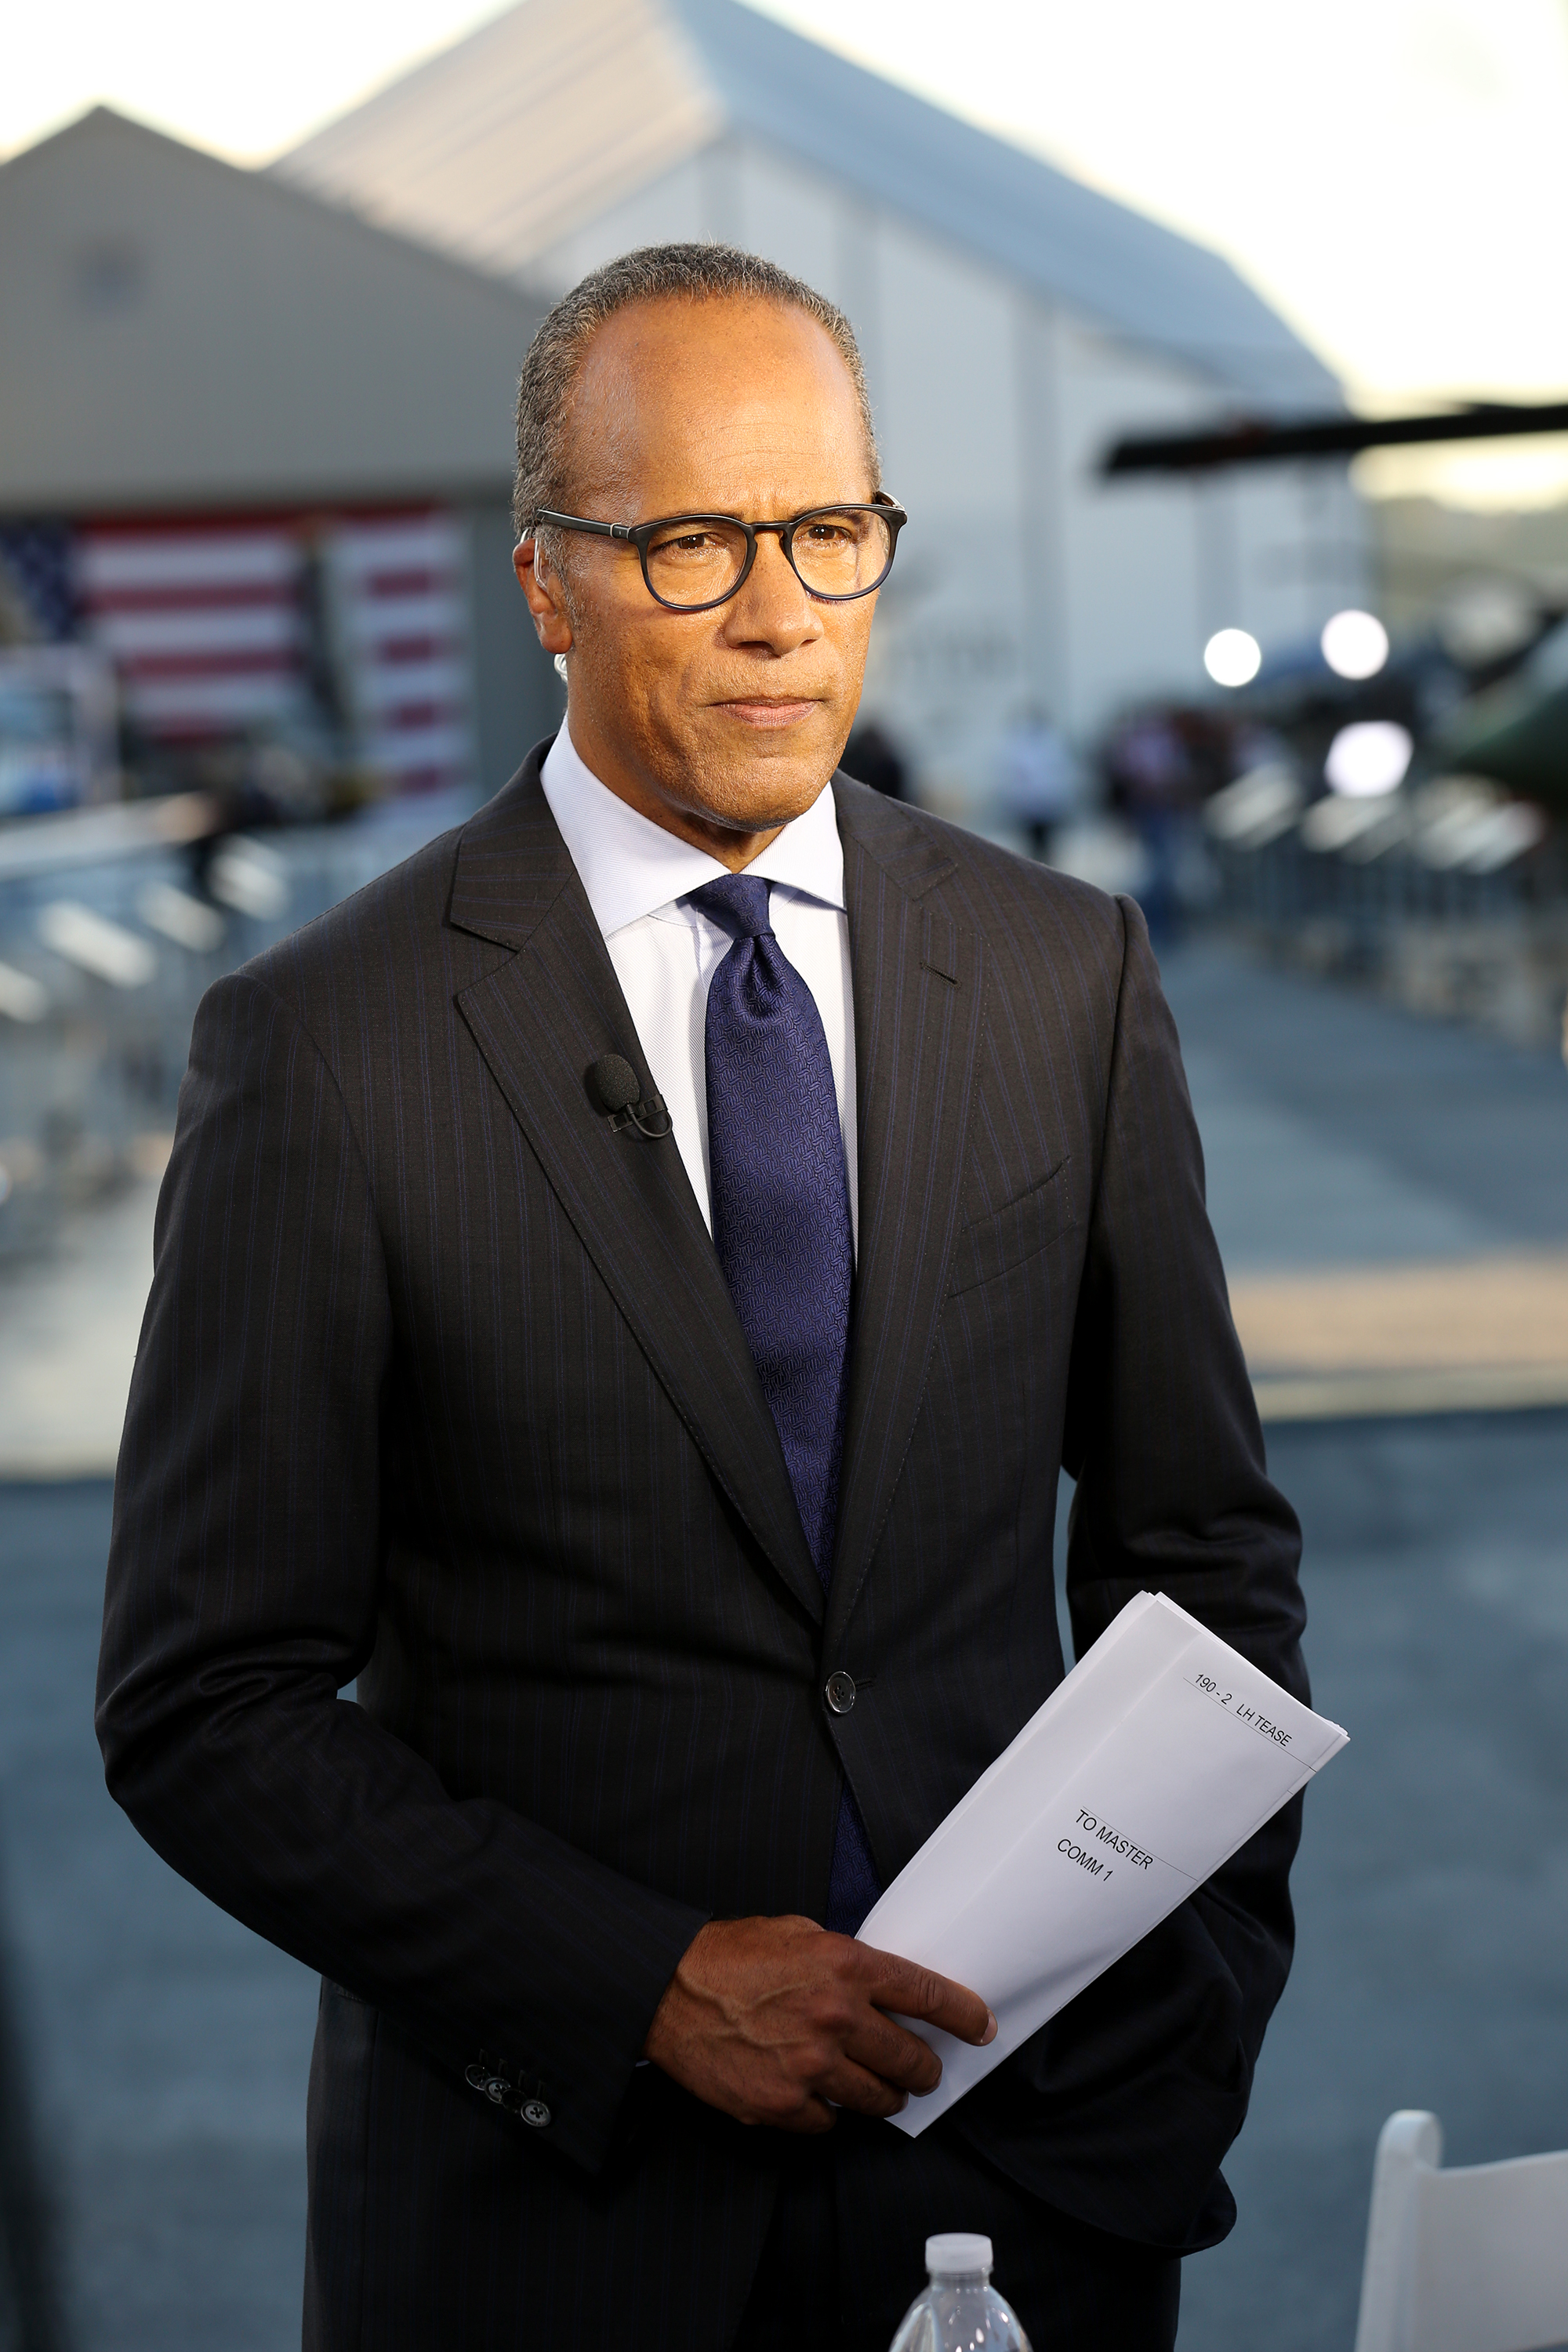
{"type": "Point", "coordinates": [1474, 2260]}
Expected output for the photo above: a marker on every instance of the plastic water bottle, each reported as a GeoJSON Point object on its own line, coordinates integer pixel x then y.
{"type": "Point", "coordinates": [960, 2311]}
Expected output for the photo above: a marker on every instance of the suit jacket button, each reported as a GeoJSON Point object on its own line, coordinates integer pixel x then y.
{"type": "Point", "coordinates": [536, 2112]}
{"type": "Point", "coordinates": [841, 1692]}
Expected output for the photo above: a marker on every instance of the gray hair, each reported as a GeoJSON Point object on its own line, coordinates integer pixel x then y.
{"type": "Point", "coordinates": [698, 273]}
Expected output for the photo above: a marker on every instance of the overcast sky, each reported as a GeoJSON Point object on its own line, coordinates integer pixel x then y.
{"type": "Point", "coordinates": [1392, 174]}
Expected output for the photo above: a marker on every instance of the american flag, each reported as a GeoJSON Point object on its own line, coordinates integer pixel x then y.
{"type": "Point", "coordinates": [201, 620]}
{"type": "Point", "coordinates": [215, 631]}
{"type": "Point", "coordinates": [399, 602]}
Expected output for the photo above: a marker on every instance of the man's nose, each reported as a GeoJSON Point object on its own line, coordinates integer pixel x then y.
{"type": "Point", "coordinates": [772, 605]}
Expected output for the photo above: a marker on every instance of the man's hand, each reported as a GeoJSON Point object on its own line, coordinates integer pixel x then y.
{"type": "Point", "coordinates": [772, 2020]}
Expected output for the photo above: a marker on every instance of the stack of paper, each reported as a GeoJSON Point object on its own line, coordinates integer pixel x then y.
{"type": "Point", "coordinates": [1155, 1758]}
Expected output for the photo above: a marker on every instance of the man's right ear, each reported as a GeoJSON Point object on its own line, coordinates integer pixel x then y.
{"type": "Point", "coordinates": [540, 584]}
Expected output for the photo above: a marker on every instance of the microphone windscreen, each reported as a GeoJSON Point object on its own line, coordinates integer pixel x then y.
{"type": "Point", "coordinates": [614, 1083]}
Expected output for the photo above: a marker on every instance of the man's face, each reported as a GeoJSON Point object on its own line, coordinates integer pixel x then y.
{"type": "Point", "coordinates": [720, 725]}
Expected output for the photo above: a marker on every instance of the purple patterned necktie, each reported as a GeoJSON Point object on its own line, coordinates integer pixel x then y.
{"type": "Point", "coordinates": [781, 1229]}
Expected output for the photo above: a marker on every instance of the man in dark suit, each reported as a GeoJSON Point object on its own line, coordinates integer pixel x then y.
{"type": "Point", "coordinates": [627, 1286]}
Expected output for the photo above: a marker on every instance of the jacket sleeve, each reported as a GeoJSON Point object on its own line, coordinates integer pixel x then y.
{"type": "Point", "coordinates": [1129, 2098]}
{"type": "Point", "coordinates": [242, 1597]}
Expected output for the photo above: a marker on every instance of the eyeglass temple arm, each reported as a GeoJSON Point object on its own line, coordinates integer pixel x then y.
{"type": "Point", "coordinates": [582, 522]}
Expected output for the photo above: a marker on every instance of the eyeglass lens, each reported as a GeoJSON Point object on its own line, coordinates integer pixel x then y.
{"type": "Point", "coordinates": [842, 551]}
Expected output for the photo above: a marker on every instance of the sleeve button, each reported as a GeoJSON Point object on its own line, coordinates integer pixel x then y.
{"type": "Point", "coordinates": [536, 2112]}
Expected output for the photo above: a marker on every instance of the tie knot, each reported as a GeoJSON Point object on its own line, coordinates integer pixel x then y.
{"type": "Point", "coordinates": [738, 904]}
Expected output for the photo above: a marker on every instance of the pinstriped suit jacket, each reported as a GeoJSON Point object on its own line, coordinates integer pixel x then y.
{"type": "Point", "coordinates": [440, 1388]}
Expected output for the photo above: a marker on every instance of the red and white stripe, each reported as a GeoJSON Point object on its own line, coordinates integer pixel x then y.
{"type": "Point", "coordinates": [205, 623]}
{"type": "Point", "coordinates": [201, 620]}
{"type": "Point", "coordinates": [402, 610]}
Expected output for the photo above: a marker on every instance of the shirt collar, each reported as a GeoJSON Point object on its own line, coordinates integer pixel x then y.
{"type": "Point", "coordinates": [629, 866]}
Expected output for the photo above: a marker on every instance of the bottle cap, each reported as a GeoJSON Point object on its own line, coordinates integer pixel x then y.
{"type": "Point", "coordinates": [957, 2255]}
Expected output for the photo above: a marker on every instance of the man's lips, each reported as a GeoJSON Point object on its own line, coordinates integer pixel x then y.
{"type": "Point", "coordinates": [768, 710]}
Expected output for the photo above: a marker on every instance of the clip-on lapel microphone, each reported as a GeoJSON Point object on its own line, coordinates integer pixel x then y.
{"type": "Point", "coordinates": [617, 1090]}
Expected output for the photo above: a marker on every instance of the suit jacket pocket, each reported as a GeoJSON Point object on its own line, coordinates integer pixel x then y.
{"type": "Point", "coordinates": [1009, 1236]}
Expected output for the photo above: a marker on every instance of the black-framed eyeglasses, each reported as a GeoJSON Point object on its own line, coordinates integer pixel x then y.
{"type": "Point", "coordinates": [692, 562]}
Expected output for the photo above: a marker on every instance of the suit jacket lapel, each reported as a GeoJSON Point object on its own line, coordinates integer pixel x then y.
{"type": "Point", "coordinates": [539, 1019]}
{"type": "Point", "coordinates": [918, 983]}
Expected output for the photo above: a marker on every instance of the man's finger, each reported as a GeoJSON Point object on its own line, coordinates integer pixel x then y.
{"type": "Point", "coordinates": [852, 2086]}
{"type": "Point", "coordinates": [884, 2047]}
{"type": "Point", "coordinates": [913, 1991]}
{"type": "Point", "coordinates": [814, 2115]}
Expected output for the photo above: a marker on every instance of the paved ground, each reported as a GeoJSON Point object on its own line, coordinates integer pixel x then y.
{"type": "Point", "coordinates": [68, 1327]}
{"type": "Point", "coordinates": [1433, 1886]}
{"type": "Point", "coordinates": [1388, 1193]}
{"type": "Point", "coordinates": [1340, 1132]}
{"type": "Point", "coordinates": [170, 2045]}
{"type": "Point", "coordinates": [170, 2048]}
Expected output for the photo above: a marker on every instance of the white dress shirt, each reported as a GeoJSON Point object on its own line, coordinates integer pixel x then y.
{"type": "Point", "coordinates": [665, 953]}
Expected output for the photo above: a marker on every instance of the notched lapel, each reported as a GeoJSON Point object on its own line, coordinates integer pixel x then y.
{"type": "Point", "coordinates": [539, 1019]}
{"type": "Point", "coordinates": [919, 1020]}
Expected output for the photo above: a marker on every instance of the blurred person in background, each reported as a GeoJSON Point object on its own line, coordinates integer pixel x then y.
{"type": "Point", "coordinates": [1041, 782]}
{"type": "Point", "coordinates": [626, 1282]}
{"type": "Point", "coordinates": [1150, 779]}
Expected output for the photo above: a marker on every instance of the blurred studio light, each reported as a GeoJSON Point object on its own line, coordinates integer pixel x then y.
{"type": "Point", "coordinates": [94, 944]}
{"type": "Point", "coordinates": [1355, 645]}
{"type": "Point", "coordinates": [189, 922]}
{"type": "Point", "coordinates": [1233, 658]}
{"type": "Point", "coordinates": [1487, 618]}
{"type": "Point", "coordinates": [1467, 825]}
{"type": "Point", "coordinates": [1257, 808]}
{"type": "Point", "coordinates": [250, 880]}
{"type": "Point", "coordinates": [1368, 758]}
{"type": "Point", "coordinates": [1359, 830]}
{"type": "Point", "coordinates": [21, 998]}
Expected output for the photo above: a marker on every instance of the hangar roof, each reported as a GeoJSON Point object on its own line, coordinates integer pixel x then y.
{"type": "Point", "coordinates": [179, 332]}
{"type": "Point", "coordinates": [546, 116]}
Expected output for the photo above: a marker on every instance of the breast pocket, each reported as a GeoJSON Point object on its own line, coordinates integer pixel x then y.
{"type": "Point", "coordinates": [1009, 1236]}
